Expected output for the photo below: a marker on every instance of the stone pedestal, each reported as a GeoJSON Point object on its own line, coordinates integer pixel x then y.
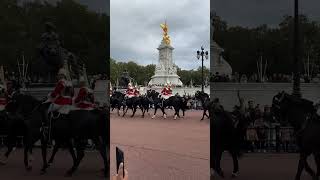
{"type": "Point", "coordinates": [166, 70]}
{"type": "Point", "coordinates": [218, 64]}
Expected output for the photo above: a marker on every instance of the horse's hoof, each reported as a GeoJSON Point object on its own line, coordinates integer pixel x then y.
{"type": "Point", "coordinates": [153, 116]}
{"type": "Point", "coordinates": [201, 119]}
{"type": "Point", "coordinates": [175, 117]}
{"type": "Point", "coordinates": [43, 171]}
{"type": "Point", "coordinates": [165, 116]}
{"type": "Point", "coordinates": [235, 174]}
{"type": "Point", "coordinates": [29, 168]}
{"type": "Point", "coordinates": [221, 174]}
{"type": "Point", "coordinates": [68, 174]}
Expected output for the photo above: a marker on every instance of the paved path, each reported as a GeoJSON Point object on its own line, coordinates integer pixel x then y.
{"type": "Point", "coordinates": [162, 149]}
{"type": "Point", "coordinates": [265, 167]}
{"type": "Point", "coordinates": [90, 169]}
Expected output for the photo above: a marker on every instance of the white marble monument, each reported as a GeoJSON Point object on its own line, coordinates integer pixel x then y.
{"type": "Point", "coordinates": [218, 64]}
{"type": "Point", "coordinates": [166, 70]}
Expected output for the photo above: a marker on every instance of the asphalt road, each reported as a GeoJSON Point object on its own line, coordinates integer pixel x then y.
{"type": "Point", "coordinates": [90, 168]}
{"type": "Point", "coordinates": [162, 149]}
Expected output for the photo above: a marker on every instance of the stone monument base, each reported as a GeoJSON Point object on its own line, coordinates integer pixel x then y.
{"type": "Point", "coordinates": [161, 80]}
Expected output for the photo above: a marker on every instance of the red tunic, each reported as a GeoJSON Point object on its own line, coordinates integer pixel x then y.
{"type": "Point", "coordinates": [3, 101]}
{"type": "Point", "coordinates": [85, 99]}
{"type": "Point", "coordinates": [130, 91]}
{"type": "Point", "coordinates": [60, 97]}
{"type": "Point", "coordinates": [166, 91]}
{"type": "Point", "coordinates": [136, 92]}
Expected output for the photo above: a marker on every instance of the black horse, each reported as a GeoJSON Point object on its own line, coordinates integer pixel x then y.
{"type": "Point", "coordinates": [24, 119]}
{"type": "Point", "coordinates": [159, 103]}
{"type": "Point", "coordinates": [300, 113]}
{"type": "Point", "coordinates": [79, 126]}
{"type": "Point", "coordinates": [227, 133]}
{"type": "Point", "coordinates": [205, 102]}
{"type": "Point", "coordinates": [116, 101]}
{"type": "Point", "coordinates": [132, 103]}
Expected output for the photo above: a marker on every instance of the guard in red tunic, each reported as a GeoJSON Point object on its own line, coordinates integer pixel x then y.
{"type": "Point", "coordinates": [61, 97]}
{"type": "Point", "coordinates": [85, 98]}
{"type": "Point", "coordinates": [166, 91]}
{"type": "Point", "coordinates": [129, 91]}
{"type": "Point", "coordinates": [136, 91]}
{"type": "Point", "coordinates": [3, 98]}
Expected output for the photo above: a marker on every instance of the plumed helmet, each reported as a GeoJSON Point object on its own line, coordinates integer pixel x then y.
{"type": "Point", "coordinates": [62, 71]}
{"type": "Point", "coordinates": [82, 79]}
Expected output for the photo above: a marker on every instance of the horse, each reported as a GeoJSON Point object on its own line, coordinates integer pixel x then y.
{"type": "Point", "coordinates": [160, 103]}
{"type": "Point", "coordinates": [227, 132]}
{"type": "Point", "coordinates": [132, 103]}
{"type": "Point", "coordinates": [24, 119]}
{"type": "Point", "coordinates": [205, 101]}
{"type": "Point", "coordinates": [116, 101]}
{"type": "Point", "coordinates": [81, 125]}
{"type": "Point", "coordinates": [300, 113]}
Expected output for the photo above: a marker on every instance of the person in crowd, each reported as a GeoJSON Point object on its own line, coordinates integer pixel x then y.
{"type": "Point", "coordinates": [252, 138]}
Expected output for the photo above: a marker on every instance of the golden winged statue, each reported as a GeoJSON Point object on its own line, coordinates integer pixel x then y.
{"type": "Point", "coordinates": [166, 37]}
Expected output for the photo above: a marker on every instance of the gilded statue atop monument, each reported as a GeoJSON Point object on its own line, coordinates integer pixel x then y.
{"type": "Point", "coordinates": [166, 37]}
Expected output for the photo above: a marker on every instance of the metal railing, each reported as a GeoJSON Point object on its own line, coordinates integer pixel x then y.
{"type": "Point", "coordinates": [275, 139]}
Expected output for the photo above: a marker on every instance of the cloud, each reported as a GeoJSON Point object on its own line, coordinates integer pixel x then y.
{"type": "Point", "coordinates": [252, 13]}
{"type": "Point", "coordinates": [135, 30]}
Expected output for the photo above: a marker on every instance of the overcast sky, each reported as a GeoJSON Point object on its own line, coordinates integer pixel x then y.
{"type": "Point", "coordinates": [252, 13]}
{"type": "Point", "coordinates": [136, 33]}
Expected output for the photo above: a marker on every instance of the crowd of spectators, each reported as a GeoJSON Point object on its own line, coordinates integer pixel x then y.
{"type": "Point", "coordinates": [265, 133]}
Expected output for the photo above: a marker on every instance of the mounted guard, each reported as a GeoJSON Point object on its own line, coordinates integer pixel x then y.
{"type": "Point", "coordinates": [61, 97]}
{"type": "Point", "coordinates": [136, 91]}
{"type": "Point", "coordinates": [3, 98]}
{"type": "Point", "coordinates": [130, 91]}
{"type": "Point", "coordinates": [166, 92]}
{"type": "Point", "coordinates": [85, 97]}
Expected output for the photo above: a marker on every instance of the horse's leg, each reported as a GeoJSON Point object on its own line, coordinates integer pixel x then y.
{"type": "Point", "coordinates": [72, 152]}
{"type": "Point", "coordinates": [44, 145]}
{"type": "Point", "coordinates": [218, 165]}
{"type": "Point", "coordinates": [10, 145]}
{"type": "Point", "coordinates": [317, 160]}
{"type": "Point", "coordinates": [155, 111]}
{"type": "Point", "coordinates": [309, 170]}
{"type": "Point", "coordinates": [163, 112]}
{"type": "Point", "coordinates": [301, 165]}
{"type": "Point", "coordinates": [28, 151]}
{"type": "Point", "coordinates": [54, 152]}
{"type": "Point", "coordinates": [80, 146]}
{"type": "Point", "coordinates": [101, 144]}
{"type": "Point", "coordinates": [134, 109]}
{"type": "Point", "coordinates": [125, 111]}
{"type": "Point", "coordinates": [235, 172]}
{"type": "Point", "coordinates": [204, 113]}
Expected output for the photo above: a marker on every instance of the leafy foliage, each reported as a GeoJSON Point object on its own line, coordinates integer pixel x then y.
{"type": "Point", "coordinates": [142, 74]}
{"type": "Point", "coordinates": [81, 31]}
{"type": "Point", "coordinates": [244, 46]}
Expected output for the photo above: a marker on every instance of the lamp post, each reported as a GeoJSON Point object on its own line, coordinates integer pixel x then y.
{"type": "Point", "coordinates": [296, 52]}
{"type": "Point", "coordinates": [203, 54]}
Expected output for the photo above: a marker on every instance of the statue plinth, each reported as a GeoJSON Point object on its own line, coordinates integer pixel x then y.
{"type": "Point", "coordinates": [217, 63]}
{"type": "Point", "coordinates": [166, 70]}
